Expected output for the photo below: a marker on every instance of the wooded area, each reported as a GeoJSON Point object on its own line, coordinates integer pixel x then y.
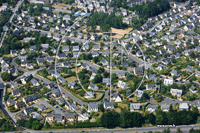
{"type": "Point", "coordinates": [151, 9]}
{"type": "Point", "coordinates": [106, 21]}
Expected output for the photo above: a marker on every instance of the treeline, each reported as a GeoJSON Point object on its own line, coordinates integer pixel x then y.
{"type": "Point", "coordinates": [6, 125]}
{"type": "Point", "coordinates": [125, 119]}
{"type": "Point", "coordinates": [10, 2]}
{"type": "Point", "coordinates": [4, 19]}
{"type": "Point", "coordinates": [151, 9]}
{"type": "Point", "coordinates": [14, 41]}
{"type": "Point", "coordinates": [32, 11]}
{"type": "Point", "coordinates": [112, 119]}
{"type": "Point", "coordinates": [32, 123]}
{"type": "Point", "coordinates": [106, 21]}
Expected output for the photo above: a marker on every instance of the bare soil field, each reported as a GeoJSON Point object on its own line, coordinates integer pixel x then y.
{"type": "Point", "coordinates": [62, 6]}
{"type": "Point", "coordinates": [114, 30]}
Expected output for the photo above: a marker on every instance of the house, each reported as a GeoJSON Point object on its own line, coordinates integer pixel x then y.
{"type": "Point", "coordinates": [61, 80]}
{"type": "Point", "coordinates": [95, 54]}
{"type": "Point", "coordinates": [150, 76]}
{"type": "Point", "coordinates": [152, 108]}
{"type": "Point", "coordinates": [93, 87]}
{"type": "Point", "coordinates": [5, 69]}
{"type": "Point", "coordinates": [134, 106]}
{"type": "Point", "coordinates": [70, 117]}
{"type": "Point", "coordinates": [75, 48]}
{"type": "Point", "coordinates": [92, 107]}
{"type": "Point", "coordinates": [183, 106]}
{"type": "Point", "coordinates": [13, 84]}
{"type": "Point", "coordinates": [165, 108]}
{"type": "Point", "coordinates": [127, 20]}
{"type": "Point", "coordinates": [29, 66]}
{"type": "Point", "coordinates": [50, 59]}
{"type": "Point", "coordinates": [122, 84]}
{"type": "Point", "coordinates": [104, 62]}
{"type": "Point", "coordinates": [166, 61]}
{"type": "Point", "coordinates": [61, 56]}
{"type": "Point", "coordinates": [31, 98]}
{"type": "Point", "coordinates": [65, 49]}
{"type": "Point", "coordinates": [147, 44]}
{"type": "Point", "coordinates": [117, 97]}
{"type": "Point", "coordinates": [72, 84]}
{"type": "Point", "coordinates": [67, 17]}
{"type": "Point", "coordinates": [190, 68]}
{"type": "Point", "coordinates": [94, 37]}
{"type": "Point", "coordinates": [61, 100]}
{"type": "Point", "coordinates": [105, 53]}
{"type": "Point", "coordinates": [20, 105]}
{"type": "Point", "coordinates": [10, 102]}
{"type": "Point", "coordinates": [197, 74]}
{"type": "Point", "coordinates": [25, 80]}
{"type": "Point", "coordinates": [58, 118]}
{"type": "Point", "coordinates": [96, 47]}
{"type": "Point", "coordinates": [93, 76]}
{"type": "Point", "coordinates": [36, 115]}
{"type": "Point", "coordinates": [121, 74]}
{"type": "Point", "coordinates": [35, 82]}
{"type": "Point", "coordinates": [28, 110]}
{"type": "Point", "coordinates": [176, 92]}
{"type": "Point", "coordinates": [193, 89]}
{"type": "Point", "coordinates": [2, 86]}
{"type": "Point", "coordinates": [42, 107]}
{"type": "Point", "coordinates": [22, 116]}
{"type": "Point", "coordinates": [106, 80]}
{"type": "Point", "coordinates": [151, 87]}
{"type": "Point", "coordinates": [23, 51]}
{"type": "Point", "coordinates": [108, 105]}
{"type": "Point", "coordinates": [83, 116]}
{"type": "Point", "coordinates": [197, 104]}
{"type": "Point", "coordinates": [161, 67]}
{"type": "Point", "coordinates": [13, 52]}
{"type": "Point", "coordinates": [168, 82]}
{"type": "Point", "coordinates": [49, 117]}
{"type": "Point", "coordinates": [17, 92]}
{"type": "Point", "coordinates": [45, 46]}
{"type": "Point", "coordinates": [55, 92]}
{"type": "Point", "coordinates": [139, 93]}
{"type": "Point", "coordinates": [89, 94]}
{"type": "Point", "coordinates": [138, 70]}
{"type": "Point", "coordinates": [175, 73]}
{"type": "Point", "coordinates": [40, 61]}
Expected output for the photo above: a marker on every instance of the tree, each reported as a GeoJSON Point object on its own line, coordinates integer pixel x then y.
{"type": "Point", "coordinates": [101, 107]}
{"type": "Point", "coordinates": [36, 125]}
{"type": "Point", "coordinates": [179, 130]}
{"type": "Point", "coordinates": [6, 76]}
{"type": "Point", "coordinates": [97, 79]}
{"type": "Point", "coordinates": [151, 117]}
{"type": "Point", "coordinates": [105, 74]}
{"type": "Point", "coordinates": [110, 119]}
{"type": "Point", "coordinates": [105, 27]}
{"type": "Point", "coordinates": [166, 131]}
{"type": "Point", "coordinates": [159, 98]}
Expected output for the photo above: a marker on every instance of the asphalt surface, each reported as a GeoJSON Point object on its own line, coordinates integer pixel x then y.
{"type": "Point", "coordinates": [185, 129]}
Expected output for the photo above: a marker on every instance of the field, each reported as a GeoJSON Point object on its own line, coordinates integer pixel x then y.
{"type": "Point", "coordinates": [120, 32]}
{"type": "Point", "coordinates": [62, 6]}
{"type": "Point", "coordinates": [71, 78]}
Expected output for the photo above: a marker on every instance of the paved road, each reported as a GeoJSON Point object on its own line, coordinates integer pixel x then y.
{"type": "Point", "coordinates": [16, 66]}
{"type": "Point", "coordinates": [184, 128]}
